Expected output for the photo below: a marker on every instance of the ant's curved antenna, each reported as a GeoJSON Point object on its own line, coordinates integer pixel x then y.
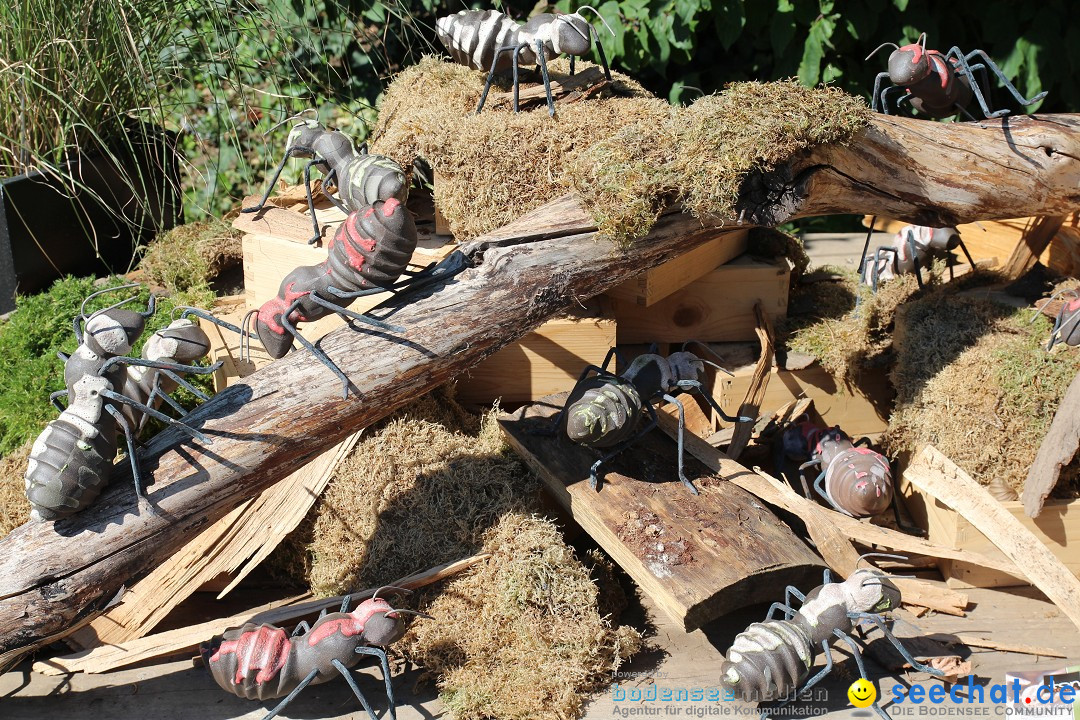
{"type": "Point", "coordinates": [597, 13]}
{"type": "Point", "coordinates": [897, 47]}
{"type": "Point", "coordinates": [922, 41]}
{"type": "Point", "coordinates": [711, 352]}
{"type": "Point", "coordinates": [297, 116]}
{"type": "Point", "coordinates": [391, 587]}
{"type": "Point", "coordinates": [88, 298]}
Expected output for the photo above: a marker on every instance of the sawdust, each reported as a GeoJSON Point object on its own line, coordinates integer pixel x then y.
{"type": "Point", "coordinates": [654, 543]}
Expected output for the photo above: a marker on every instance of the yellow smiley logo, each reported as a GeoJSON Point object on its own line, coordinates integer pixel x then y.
{"type": "Point", "coordinates": [862, 693]}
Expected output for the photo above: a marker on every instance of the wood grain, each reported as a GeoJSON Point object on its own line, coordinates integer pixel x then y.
{"type": "Point", "coordinates": [697, 557]}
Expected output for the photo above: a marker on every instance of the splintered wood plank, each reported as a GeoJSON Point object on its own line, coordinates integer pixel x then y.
{"type": "Point", "coordinates": [697, 557]}
{"type": "Point", "coordinates": [759, 383]}
{"type": "Point", "coordinates": [938, 476]}
{"type": "Point", "coordinates": [1057, 450]}
{"type": "Point", "coordinates": [242, 539]}
{"type": "Point", "coordinates": [657, 283]}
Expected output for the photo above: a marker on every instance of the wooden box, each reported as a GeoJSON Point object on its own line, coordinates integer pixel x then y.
{"type": "Point", "coordinates": [1058, 527]}
{"type": "Point", "coordinates": [546, 361]}
{"type": "Point", "coordinates": [657, 283]}
{"type": "Point", "coordinates": [717, 307]}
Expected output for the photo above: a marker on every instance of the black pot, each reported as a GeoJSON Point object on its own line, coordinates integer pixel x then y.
{"type": "Point", "coordinates": [51, 227]}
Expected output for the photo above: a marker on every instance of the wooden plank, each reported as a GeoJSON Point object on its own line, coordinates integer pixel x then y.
{"type": "Point", "coordinates": [657, 283]}
{"type": "Point", "coordinates": [759, 382]}
{"type": "Point", "coordinates": [546, 361]}
{"type": "Point", "coordinates": [715, 308]}
{"type": "Point", "coordinates": [1057, 528]}
{"type": "Point", "coordinates": [831, 532]}
{"type": "Point", "coordinates": [697, 557]}
{"type": "Point", "coordinates": [110, 657]}
{"type": "Point", "coordinates": [236, 544]}
{"type": "Point", "coordinates": [1057, 450]}
{"type": "Point", "coordinates": [564, 89]}
{"type": "Point", "coordinates": [1034, 243]}
{"type": "Point", "coordinates": [937, 475]}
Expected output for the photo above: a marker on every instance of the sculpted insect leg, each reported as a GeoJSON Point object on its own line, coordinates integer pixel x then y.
{"type": "Point", "coordinates": [289, 698]}
{"type": "Point", "coordinates": [594, 476]}
{"type": "Point", "coordinates": [117, 397]}
{"type": "Point", "coordinates": [381, 654]}
{"type": "Point", "coordinates": [126, 427]}
{"type": "Point", "coordinates": [547, 83]}
{"type": "Point", "coordinates": [345, 673]}
{"type": "Point", "coordinates": [682, 430]}
{"type": "Point", "coordinates": [992, 67]}
{"type": "Point", "coordinates": [491, 76]}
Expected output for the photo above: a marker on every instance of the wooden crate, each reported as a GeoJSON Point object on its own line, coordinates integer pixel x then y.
{"type": "Point", "coordinates": [717, 307]}
{"type": "Point", "coordinates": [860, 410]}
{"type": "Point", "coordinates": [1058, 527]}
{"type": "Point", "coordinates": [657, 283]}
{"type": "Point", "coordinates": [546, 361]}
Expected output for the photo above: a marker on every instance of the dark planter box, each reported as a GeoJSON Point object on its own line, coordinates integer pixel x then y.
{"type": "Point", "coordinates": [119, 202]}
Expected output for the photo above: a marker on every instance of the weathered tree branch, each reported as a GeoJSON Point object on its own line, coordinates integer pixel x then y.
{"type": "Point", "coordinates": [53, 578]}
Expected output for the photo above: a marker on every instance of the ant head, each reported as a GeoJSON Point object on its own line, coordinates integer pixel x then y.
{"type": "Point", "coordinates": [302, 135]}
{"type": "Point", "coordinates": [183, 342]}
{"type": "Point", "coordinates": [113, 331]}
{"type": "Point", "coordinates": [571, 34]}
{"type": "Point", "coordinates": [383, 624]}
{"type": "Point", "coordinates": [876, 591]}
{"type": "Point", "coordinates": [910, 63]}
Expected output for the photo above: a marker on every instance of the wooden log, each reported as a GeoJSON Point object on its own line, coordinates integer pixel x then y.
{"type": "Point", "coordinates": [697, 557]}
{"type": "Point", "coordinates": [758, 384]}
{"type": "Point", "coordinates": [657, 283]}
{"type": "Point", "coordinates": [1057, 450]}
{"type": "Point", "coordinates": [717, 307]}
{"type": "Point", "coordinates": [546, 361]}
{"type": "Point", "coordinates": [937, 475]}
{"type": "Point", "coordinates": [54, 577]}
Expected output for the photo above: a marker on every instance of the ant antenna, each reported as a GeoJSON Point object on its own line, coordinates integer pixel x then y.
{"type": "Point", "coordinates": [297, 116]}
{"type": "Point", "coordinates": [246, 334]}
{"type": "Point", "coordinates": [409, 612]}
{"type": "Point", "coordinates": [597, 13]}
{"type": "Point", "coordinates": [711, 352]}
{"type": "Point", "coordinates": [872, 54]}
{"type": "Point", "coordinates": [922, 41]}
{"type": "Point", "coordinates": [875, 581]}
{"type": "Point", "coordinates": [82, 308]}
{"type": "Point", "coordinates": [391, 587]}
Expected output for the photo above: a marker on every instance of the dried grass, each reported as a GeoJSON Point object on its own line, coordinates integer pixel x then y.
{"type": "Point", "coordinates": [974, 379]}
{"type": "Point", "coordinates": [520, 636]}
{"type": "Point", "coordinates": [628, 157]}
{"type": "Point", "coordinates": [190, 256]}
{"type": "Point", "coordinates": [14, 507]}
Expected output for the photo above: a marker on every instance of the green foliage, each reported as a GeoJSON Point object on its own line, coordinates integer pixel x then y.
{"type": "Point", "coordinates": [32, 335]}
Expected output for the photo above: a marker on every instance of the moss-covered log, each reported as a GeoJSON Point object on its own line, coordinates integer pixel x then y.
{"type": "Point", "coordinates": [54, 577]}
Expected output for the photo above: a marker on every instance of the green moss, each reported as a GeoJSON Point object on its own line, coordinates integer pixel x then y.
{"type": "Point", "coordinates": [40, 326]}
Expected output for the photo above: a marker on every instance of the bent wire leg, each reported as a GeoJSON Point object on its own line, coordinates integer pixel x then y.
{"type": "Point", "coordinates": [992, 66]}
{"type": "Point", "coordinates": [600, 52]}
{"type": "Point", "coordinates": [347, 674]}
{"type": "Point", "coordinates": [696, 385]}
{"type": "Point", "coordinates": [289, 698]}
{"type": "Point", "coordinates": [117, 397]}
{"type": "Point", "coordinates": [875, 99]}
{"type": "Point", "coordinates": [517, 84]}
{"type": "Point", "coordinates": [914, 259]}
{"type": "Point", "coordinates": [789, 612]}
{"type": "Point", "coordinates": [360, 317]}
{"type": "Point", "coordinates": [169, 369]}
{"type": "Point", "coordinates": [130, 439]}
{"type": "Point", "coordinates": [301, 626]}
{"type": "Point", "coordinates": [682, 431]}
{"type": "Point", "coordinates": [594, 477]}
{"type": "Point", "coordinates": [544, 73]}
{"type": "Point", "coordinates": [880, 622]}
{"type": "Point", "coordinates": [491, 74]}
{"type": "Point", "coordinates": [55, 397]}
{"type": "Point", "coordinates": [319, 354]}
{"type": "Point", "coordinates": [273, 180]}
{"type": "Point", "coordinates": [381, 654]}
{"type": "Point", "coordinates": [963, 67]}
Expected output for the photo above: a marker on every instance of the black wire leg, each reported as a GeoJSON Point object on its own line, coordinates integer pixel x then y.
{"type": "Point", "coordinates": [857, 654]}
{"type": "Point", "coordinates": [360, 317]}
{"type": "Point", "coordinates": [117, 397]}
{"type": "Point", "coordinates": [696, 385]}
{"type": "Point", "coordinates": [188, 311]}
{"type": "Point", "coordinates": [289, 698]}
{"type": "Point", "coordinates": [992, 67]}
{"type": "Point", "coordinates": [123, 423]}
{"type": "Point", "coordinates": [682, 431]}
{"type": "Point", "coordinates": [273, 180]}
{"type": "Point", "coordinates": [876, 99]}
{"type": "Point", "coordinates": [594, 471]}
{"type": "Point", "coordinates": [600, 52]}
{"type": "Point", "coordinates": [544, 73]}
{"type": "Point", "coordinates": [302, 628]}
{"type": "Point", "coordinates": [517, 83]}
{"type": "Point", "coordinates": [319, 354]}
{"type": "Point", "coordinates": [491, 75]}
{"type": "Point", "coordinates": [311, 201]}
{"type": "Point", "coordinates": [914, 259]}
{"type": "Point", "coordinates": [55, 397]}
{"type": "Point", "coordinates": [169, 369]}
{"type": "Point", "coordinates": [347, 674]}
{"type": "Point", "coordinates": [381, 654]}
{"type": "Point", "coordinates": [880, 622]}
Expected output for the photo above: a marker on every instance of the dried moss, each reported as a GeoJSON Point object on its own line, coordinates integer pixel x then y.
{"type": "Point", "coordinates": [520, 636]}
{"type": "Point", "coordinates": [627, 157]}
{"type": "Point", "coordinates": [525, 633]}
{"type": "Point", "coordinates": [14, 507]}
{"type": "Point", "coordinates": [974, 379]}
{"type": "Point", "coordinates": [419, 491]}
{"type": "Point", "coordinates": [192, 255]}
